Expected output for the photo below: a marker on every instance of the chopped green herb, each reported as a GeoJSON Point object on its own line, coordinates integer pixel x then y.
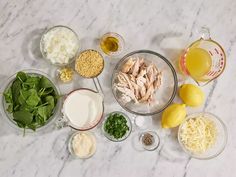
{"type": "Point", "coordinates": [116, 125]}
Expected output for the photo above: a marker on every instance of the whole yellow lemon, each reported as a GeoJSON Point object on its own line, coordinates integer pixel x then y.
{"type": "Point", "coordinates": [191, 95]}
{"type": "Point", "coordinates": [173, 115]}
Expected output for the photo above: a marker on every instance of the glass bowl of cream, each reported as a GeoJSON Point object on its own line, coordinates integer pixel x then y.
{"type": "Point", "coordinates": [82, 145]}
{"type": "Point", "coordinates": [59, 45]}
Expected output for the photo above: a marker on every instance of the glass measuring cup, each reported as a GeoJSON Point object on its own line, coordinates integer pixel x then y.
{"type": "Point", "coordinates": [89, 124]}
{"type": "Point", "coordinates": [204, 60]}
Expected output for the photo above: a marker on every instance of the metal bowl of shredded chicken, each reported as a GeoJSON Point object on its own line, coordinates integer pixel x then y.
{"type": "Point", "coordinates": [144, 82]}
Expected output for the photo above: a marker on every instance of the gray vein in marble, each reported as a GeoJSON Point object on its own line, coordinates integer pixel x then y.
{"type": "Point", "coordinates": [232, 42]}
{"type": "Point", "coordinates": [36, 173]}
{"type": "Point", "coordinates": [26, 146]}
{"type": "Point", "coordinates": [195, 19]}
{"type": "Point", "coordinates": [186, 167]}
{"type": "Point", "coordinates": [63, 165]}
{"type": "Point", "coordinates": [76, 14]}
{"type": "Point", "coordinates": [5, 20]}
{"type": "Point", "coordinates": [18, 13]}
{"type": "Point", "coordinates": [91, 23]}
{"type": "Point", "coordinates": [208, 100]}
{"type": "Point", "coordinates": [153, 169]}
{"type": "Point", "coordinates": [117, 150]}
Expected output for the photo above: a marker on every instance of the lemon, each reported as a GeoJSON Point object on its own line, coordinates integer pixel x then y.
{"type": "Point", "coordinates": [191, 95]}
{"type": "Point", "coordinates": [173, 115]}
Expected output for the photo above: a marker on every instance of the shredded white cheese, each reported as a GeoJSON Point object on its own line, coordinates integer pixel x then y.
{"type": "Point", "coordinates": [198, 134]}
{"type": "Point", "coordinates": [60, 44]}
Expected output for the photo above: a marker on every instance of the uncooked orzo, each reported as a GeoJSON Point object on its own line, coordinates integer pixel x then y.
{"type": "Point", "coordinates": [89, 63]}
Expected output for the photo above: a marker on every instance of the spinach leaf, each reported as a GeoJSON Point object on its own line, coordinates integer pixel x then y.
{"type": "Point", "coordinates": [32, 126]}
{"type": "Point", "coordinates": [21, 76]}
{"type": "Point", "coordinates": [45, 83]}
{"type": "Point", "coordinates": [10, 108]}
{"type": "Point", "coordinates": [8, 96]}
{"type": "Point", "coordinates": [26, 107]}
{"type": "Point", "coordinates": [15, 89]}
{"type": "Point", "coordinates": [43, 112]}
{"type": "Point", "coordinates": [50, 100]}
{"type": "Point", "coordinates": [39, 120]}
{"type": "Point", "coordinates": [16, 107]}
{"type": "Point", "coordinates": [23, 117]}
{"type": "Point", "coordinates": [32, 83]}
{"type": "Point", "coordinates": [33, 100]}
{"type": "Point", "coordinates": [24, 94]}
{"type": "Point", "coordinates": [48, 91]}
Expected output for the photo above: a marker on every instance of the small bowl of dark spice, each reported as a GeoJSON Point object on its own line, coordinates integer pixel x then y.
{"type": "Point", "coordinates": [149, 140]}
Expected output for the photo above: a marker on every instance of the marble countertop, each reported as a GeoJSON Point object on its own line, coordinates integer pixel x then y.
{"type": "Point", "coordinates": [163, 26]}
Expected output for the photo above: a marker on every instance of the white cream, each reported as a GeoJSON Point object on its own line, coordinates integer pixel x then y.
{"type": "Point", "coordinates": [83, 108]}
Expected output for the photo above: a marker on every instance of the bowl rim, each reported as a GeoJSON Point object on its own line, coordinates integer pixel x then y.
{"type": "Point", "coordinates": [87, 128]}
{"type": "Point", "coordinates": [121, 41]}
{"type": "Point", "coordinates": [110, 137]}
{"type": "Point", "coordinates": [57, 108]}
{"type": "Point", "coordinates": [41, 45]}
{"type": "Point", "coordinates": [213, 116]}
{"type": "Point", "coordinates": [141, 134]}
{"type": "Point", "coordinates": [70, 148]}
{"type": "Point", "coordinates": [81, 52]}
{"type": "Point", "coordinates": [173, 73]}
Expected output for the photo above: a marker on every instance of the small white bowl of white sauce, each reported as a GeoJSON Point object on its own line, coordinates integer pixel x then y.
{"type": "Point", "coordinates": [82, 145]}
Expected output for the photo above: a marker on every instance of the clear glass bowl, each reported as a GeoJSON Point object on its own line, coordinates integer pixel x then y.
{"type": "Point", "coordinates": [110, 137]}
{"type": "Point", "coordinates": [42, 46]}
{"type": "Point", "coordinates": [155, 138]}
{"type": "Point", "coordinates": [221, 139]}
{"type": "Point", "coordinates": [9, 118]}
{"type": "Point", "coordinates": [163, 96]}
{"type": "Point", "coordinates": [71, 150]}
{"type": "Point", "coordinates": [121, 43]}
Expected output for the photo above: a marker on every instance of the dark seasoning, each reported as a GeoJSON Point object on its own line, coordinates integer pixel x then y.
{"type": "Point", "coordinates": [148, 139]}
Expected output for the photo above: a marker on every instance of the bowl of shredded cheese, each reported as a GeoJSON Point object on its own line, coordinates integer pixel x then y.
{"type": "Point", "coordinates": [202, 135]}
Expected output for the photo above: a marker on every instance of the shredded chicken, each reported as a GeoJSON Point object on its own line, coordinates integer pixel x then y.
{"type": "Point", "coordinates": [138, 81]}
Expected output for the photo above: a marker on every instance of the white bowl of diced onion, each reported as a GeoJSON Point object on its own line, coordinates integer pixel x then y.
{"type": "Point", "coordinates": [202, 135]}
{"type": "Point", "coordinates": [59, 45]}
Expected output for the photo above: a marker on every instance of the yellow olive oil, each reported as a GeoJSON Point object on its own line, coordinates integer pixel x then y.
{"type": "Point", "coordinates": [109, 44]}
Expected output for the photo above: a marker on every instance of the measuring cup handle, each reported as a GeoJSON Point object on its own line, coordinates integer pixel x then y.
{"type": "Point", "coordinates": [98, 86]}
{"type": "Point", "coordinates": [205, 33]}
{"type": "Point", "coordinates": [61, 123]}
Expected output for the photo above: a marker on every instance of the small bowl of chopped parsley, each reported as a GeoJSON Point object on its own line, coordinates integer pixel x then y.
{"type": "Point", "coordinates": [117, 126]}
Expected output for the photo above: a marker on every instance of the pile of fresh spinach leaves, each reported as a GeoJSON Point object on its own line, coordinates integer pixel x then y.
{"type": "Point", "coordinates": [31, 100]}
